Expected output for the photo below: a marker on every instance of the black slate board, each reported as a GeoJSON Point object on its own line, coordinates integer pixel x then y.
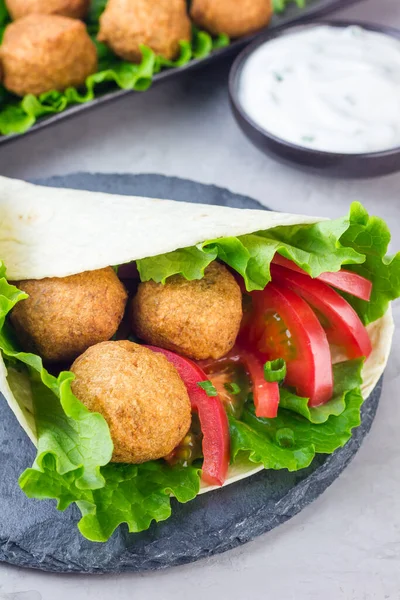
{"type": "Point", "coordinates": [33, 534]}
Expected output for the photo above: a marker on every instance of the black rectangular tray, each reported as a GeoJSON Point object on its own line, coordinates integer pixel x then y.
{"type": "Point", "coordinates": [293, 14]}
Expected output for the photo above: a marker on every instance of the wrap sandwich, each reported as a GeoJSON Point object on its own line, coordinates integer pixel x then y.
{"type": "Point", "coordinates": [152, 348]}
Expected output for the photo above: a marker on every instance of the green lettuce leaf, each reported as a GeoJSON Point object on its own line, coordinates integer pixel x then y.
{"type": "Point", "coordinates": [4, 17]}
{"type": "Point", "coordinates": [133, 494]}
{"type": "Point", "coordinates": [95, 9]}
{"type": "Point", "coordinates": [371, 236]}
{"type": "Point", "coordinates": [290, 441]}
{"type": "Point", "coordinates": [346, 376]}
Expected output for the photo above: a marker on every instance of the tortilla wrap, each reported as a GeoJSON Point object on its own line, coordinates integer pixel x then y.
{"type": "Point", "coordinates": [46, 232]}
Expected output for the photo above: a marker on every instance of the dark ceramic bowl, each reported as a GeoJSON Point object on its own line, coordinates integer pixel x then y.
{"type": "Point", "coordinates": [371, 164]}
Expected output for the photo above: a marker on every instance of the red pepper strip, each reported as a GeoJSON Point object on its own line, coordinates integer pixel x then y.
{"type": "Point", "coordinates": [265, 393]}
{"type": "Point", "coordinates": [349, 282]}
{"type": "Point", "coordinates": [212, 416]}
{"type": "Point", "coordinates": [341, 323]}
{"type": "Point", "coordinates": [343, 280]}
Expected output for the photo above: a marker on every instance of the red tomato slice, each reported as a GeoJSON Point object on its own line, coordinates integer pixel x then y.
{"type": "Point", "coordinates": [343, 280]}
{"type": "Point", "coordinates": [212, 416]}
{"type": "Point", "coordinates": [340, 321]}
{"type": "Point", "coordinates": [286, 327]}
{"type": "Point", "coordinates": [265, 394]}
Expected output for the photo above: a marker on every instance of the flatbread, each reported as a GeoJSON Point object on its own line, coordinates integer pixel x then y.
{"type": "Point", "coordinates": [51, 232]}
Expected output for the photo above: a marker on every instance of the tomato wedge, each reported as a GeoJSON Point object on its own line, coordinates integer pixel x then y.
{"type": "Point", "coordinates": [342, 325]}
{"type": "Point", "coordinates": [343, 280]}
{"type": "Point", "coordinates": [286, 327]}
{"type": "Point", "coordinates": [212, 416]}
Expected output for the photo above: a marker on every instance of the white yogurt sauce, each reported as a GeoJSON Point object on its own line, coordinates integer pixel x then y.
{"type": "Point", "coordinates": [328, 88]}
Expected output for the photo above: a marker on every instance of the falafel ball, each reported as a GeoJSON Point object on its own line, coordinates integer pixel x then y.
{"type": "Point", "coordinates": [235, 18]}
{"type": "Point", "coordinates": [161, 25]}
{"type": "Point", "coordinates": [40, 53]}
{"type": "Point", "coordinates": [140, 395]}
{"type": "Point", "coordinates": [199, 319]}
{"type": "Point", "coordinates": [76, 9]}
{"type": "Point", "coordinates": [64, 316]}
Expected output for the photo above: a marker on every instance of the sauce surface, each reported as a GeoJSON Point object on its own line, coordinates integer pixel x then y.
{"type": "Point", "coordinates": [327, 88]}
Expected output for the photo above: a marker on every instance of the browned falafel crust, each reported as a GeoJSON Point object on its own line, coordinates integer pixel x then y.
{"type": "Point", "coordinates": [127, 24]}
{"type": "Point", "coordinates": [139, 393]}
{"type": "Point", "coordinates": [235, 18]}
{"type": "Point", "coordinates": [199, 319]}
{"type": "Point", "coordinates": [64, 316]}
{"type": "Point", "coordinates": [40, 53]}
{"type": "Point", "coordinates": [76, 9]}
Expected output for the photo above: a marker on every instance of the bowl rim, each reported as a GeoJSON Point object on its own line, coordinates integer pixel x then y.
{"type": "Point", "coordinates": [238, 64]}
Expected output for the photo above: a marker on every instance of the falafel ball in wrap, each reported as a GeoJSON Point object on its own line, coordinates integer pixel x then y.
{"type": "Point", "coordinates": [152, 349]}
